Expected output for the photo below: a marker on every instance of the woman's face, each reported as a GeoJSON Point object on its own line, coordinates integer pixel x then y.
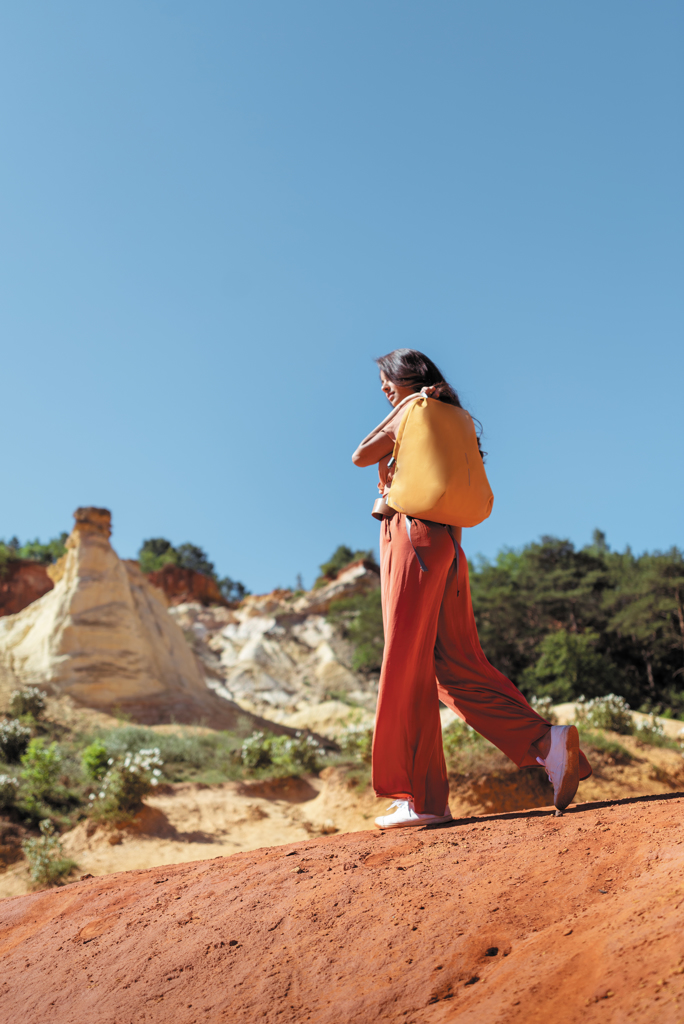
{"type": "Point", "coordinates": [394, 393]}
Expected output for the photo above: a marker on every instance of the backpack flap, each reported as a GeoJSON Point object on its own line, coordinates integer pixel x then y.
{"type": "Point", "coordinates": [439, 473]}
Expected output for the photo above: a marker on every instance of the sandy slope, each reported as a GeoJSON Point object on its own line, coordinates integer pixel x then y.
{"type": "Point", "coordinates": [524, 917]}
{"type": "Point", "coordinates": [189, 821]}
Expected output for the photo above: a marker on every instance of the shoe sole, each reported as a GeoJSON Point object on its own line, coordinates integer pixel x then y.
{"type": "Point", "coordinates": [414, 824]}
{"type": "Point", "coordinates": [570, 780]}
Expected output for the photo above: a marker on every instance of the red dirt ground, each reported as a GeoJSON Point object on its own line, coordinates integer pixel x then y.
{"type": "Point", "coordinates": [523, 917]}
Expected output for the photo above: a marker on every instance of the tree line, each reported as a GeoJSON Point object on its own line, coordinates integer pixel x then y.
{"type": "Point", "coordinates": [564, 623]}
{"type": "Point", "coordinates": [153, 555]}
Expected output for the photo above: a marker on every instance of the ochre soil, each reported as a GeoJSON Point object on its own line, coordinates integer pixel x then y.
{"type": "Point", "coordinates": [521, 917]}
{"type": "Point", "coordinates": [190, 821]}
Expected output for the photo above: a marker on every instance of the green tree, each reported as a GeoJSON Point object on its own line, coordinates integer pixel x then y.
{"type": "Point", "coordinates": [530, 603]}
{"type": "Point", "coordinates": [648, 619]}
{"type": "Point", "coordinates": [46, 554]}
{"type": "Point", "coordinates": [32, 550]}
{"type": "Point", "coordinates": [568, 666]}
{"type": "Point", "coordinates": [190, 556]}
{"type": "Point", "coordinates": [155, 553]}
{"type": "Point", "coordinates": [8, 553]}
{"type": "Point", "coordinates": [342, 557]}
{"type": "Point", "coordinates": [158, 552]}
{"type": "Point", "coordinates": [232, 590]}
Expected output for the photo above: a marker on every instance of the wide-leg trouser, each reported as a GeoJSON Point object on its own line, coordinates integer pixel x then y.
{"type": "Point", "coordinates": [433, 653]}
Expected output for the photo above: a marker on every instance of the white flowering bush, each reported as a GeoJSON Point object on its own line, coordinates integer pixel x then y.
{"type": "Point", "coordinates": [356, 741]}
{"type": "Point", "coordinates": [609, 712]}
{"type": "Point", "coordinates": [302, 751]}
{"type": "Point", "coordinates": [544, 707]}
{"type": "Point", "coordinates": [14, 739]}
{"type": "Point", "coordinates": [291, 753]}
{"type": "Point", "coordinates": [8, 790]}
{"type": "Point", "coordinates": [458, 735]}
{"type": "Point", "coordinates": [47, 863]}
{"type": "Point", "coordinates": [128, 779]}
{"type": "Point", "coordinates": [30, 701]}
{"type": "Point", "coordinates": [256, 751]}
{"type": "Point", "coordinates": [650, 731]}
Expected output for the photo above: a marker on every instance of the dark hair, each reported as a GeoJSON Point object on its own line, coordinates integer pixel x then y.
{"type": "Point", "coordinates": [412, 369]}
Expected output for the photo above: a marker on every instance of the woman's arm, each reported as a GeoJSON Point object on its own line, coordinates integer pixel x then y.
{"type": "Point", "coordinates": [378, 444]}
{"type": "Point", "coordinates": [371, 451]}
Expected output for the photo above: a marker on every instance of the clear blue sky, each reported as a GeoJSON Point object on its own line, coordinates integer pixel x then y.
{"type": "Point", "coordinates": [215, 215]}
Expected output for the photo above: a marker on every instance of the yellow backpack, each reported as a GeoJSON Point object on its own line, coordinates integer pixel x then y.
{"type": "Point", "coordinates": [439, 473]}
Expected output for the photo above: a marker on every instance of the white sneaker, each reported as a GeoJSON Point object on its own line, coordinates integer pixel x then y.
{"type": "Point", "coordinates": [562, 764]}
{"type": "Point", "coordinates": [406, 815]}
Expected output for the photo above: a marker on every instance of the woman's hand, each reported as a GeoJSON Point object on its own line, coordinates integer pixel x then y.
{"type": "Point", "coordinates": [370, 452]}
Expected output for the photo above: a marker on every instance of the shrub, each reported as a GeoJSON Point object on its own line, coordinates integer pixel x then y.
{"type": "Point", "coordinates": [155, 553]}
{"type": "Point", "coordinates": [14, 738]}
{"type": "Point", "coordinates": [356, 741]}
{"type": "Point", "coordinates": [291, 753]}
{"type": "Point", "coordinates": [41, 768]}
{"type": "Point", "coordinates": [158, 552]}
{"type": "Point", "coordinates": [468, 754]}
{"type": "Point", "coordinates": [47, 863]}
{"type": "Point", "coordinates": [46, 554]}
{"type": "Point", "coordinates": [128, 780]}
{"type": "Point", "coordinates": [361, 619]}
{"type": "Point", "coordinates": [95, 760]}
{"type": "Point", "coordinates": [652, 732]}
{"type": "Point", "coordinates": [609, 712]}
{"type": "Point", "coordinates": [340, 559]}
{"type": "Point", "coordinates": [598, 741]}
{"type": "Point", "coordinates": [300, 752]}
{"type": "Point", "coordinates": [8, 790]}
{"type": "Point", "coordinates": [30, 701]}
{"type": "Point", "coordinates": [458, 735]}
{"type": "Point", "coordinates": [8, 553]}
{"type": "Point", "coordinates": [232, 590]}
{"type": "Point", "coordinates": [544, 707]}
{"type": "Point", "coordinates": [187, 753]}
{"type": "Point", "coordinates": [256, 751]}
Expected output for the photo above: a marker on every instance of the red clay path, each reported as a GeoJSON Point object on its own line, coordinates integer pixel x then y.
{"type": "Point", "coordinates": [523, 917]}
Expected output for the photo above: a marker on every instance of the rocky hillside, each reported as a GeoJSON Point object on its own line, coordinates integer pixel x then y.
{"type": "Point", "coordinates": [525, 917]}
{"type": "Point", "coordinates": [276, 654]}
{"type": "Point", "coordinates": [22, 582]}
{"type": "Point", "coordinates": [166, 646]}
{"type": "Point", "coordinates": [103, 638]}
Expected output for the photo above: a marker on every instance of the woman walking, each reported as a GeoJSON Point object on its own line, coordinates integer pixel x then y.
{"type": "Point", "coordinates": [432, 651]}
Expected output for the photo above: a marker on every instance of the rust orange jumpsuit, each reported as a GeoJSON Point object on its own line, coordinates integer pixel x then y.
{"type": "Point", "coordinates": [432, 653]}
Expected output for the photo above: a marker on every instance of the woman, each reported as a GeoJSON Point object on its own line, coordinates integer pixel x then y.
{"type": "Point", "coordinates": [432, 650]}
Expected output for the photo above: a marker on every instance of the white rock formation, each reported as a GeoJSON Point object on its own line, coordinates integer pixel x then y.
{"type": "Point", "coordinates": [276, 654]}
{"type": "Point", "coordinates": [104, 637]}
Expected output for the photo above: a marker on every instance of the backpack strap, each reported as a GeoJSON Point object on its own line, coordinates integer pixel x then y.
{"type": "Point", "coordinates": [400, 405]}
{"type": "Point", "coordinates": [455, 558]}
{"type": "Point", "coordinates": [421, 563]}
